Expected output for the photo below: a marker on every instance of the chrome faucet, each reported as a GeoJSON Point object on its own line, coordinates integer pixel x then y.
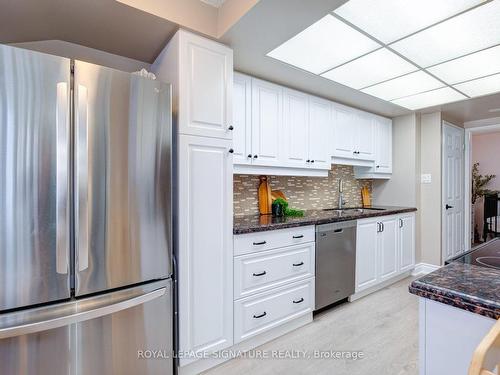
{"type": "Point", "coordinates": [341, 194]}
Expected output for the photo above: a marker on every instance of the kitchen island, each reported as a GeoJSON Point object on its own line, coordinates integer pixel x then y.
{"type": "Point", "coordinates": [459, 304]}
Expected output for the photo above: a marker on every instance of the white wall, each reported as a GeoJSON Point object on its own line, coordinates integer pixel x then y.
{"type": "Point", "coordinates": [82, 53]}
{"type": "Point", "coordinates": [430, 195]}
{"type": "Point", "coordinates": [401, 189]}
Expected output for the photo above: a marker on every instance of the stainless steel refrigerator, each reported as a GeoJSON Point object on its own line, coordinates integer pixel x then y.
{"type": "Point", "coordinates": [85, 218]}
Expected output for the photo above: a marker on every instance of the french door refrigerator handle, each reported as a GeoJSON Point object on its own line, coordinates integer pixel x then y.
{"type": "Point", "coordinates": [68, 317]}
{"type": "Point", "coordinates": [62, 151]}
{"type": "Point", "coordinates": [81, 128]}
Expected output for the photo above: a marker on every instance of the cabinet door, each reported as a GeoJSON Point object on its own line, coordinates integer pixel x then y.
{"type": "Point", "coordinates": [407, 242]}
{"type": "Point", "coordinates": [295, 128]}
{"type": "Point", "coordinates": [383, 160]}
{"type": "Point", "coordinates": [343, 131]}
{"type": "Point", "coordinates": [364, 144]}
{"type": "Point", "coordinates": [320, 133]}
{"type": "Point", "coordinates": [205, 250]}
{"type": "Point", "coordinates": [366, 254]}
{"type": "Point", "coordinates": [206, 87]}
{"type": "Point", "coordinates": [267, 119]}
{"type": "Point", "coordinates": [242, 117]}
{"type": "Point", "coordinates": [388, 248]}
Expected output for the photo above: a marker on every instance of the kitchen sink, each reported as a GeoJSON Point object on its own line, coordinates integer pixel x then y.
{"type": "Point", "coordinates": [354, 210]}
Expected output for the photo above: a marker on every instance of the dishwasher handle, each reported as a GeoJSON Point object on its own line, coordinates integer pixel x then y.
{"type": "Point", "coordinates": [336, 228]}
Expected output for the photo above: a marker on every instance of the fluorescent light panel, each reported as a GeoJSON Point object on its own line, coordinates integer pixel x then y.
{"type": "Point", "coordinates": [389, 20]}
{"type": "Point", "coordinates": [324, 45]}
{"type": "Point", "coordinates": [407, 85]}
{"type": "Point", "coordinates": [375, 67]}
{"type": "Point", "coordinates": [430, 98]}
{"type": "Point", "coordinates": [466, 33]}
{"type": "Point", "coordinates": [481, 86]}
{"type": "Point", "coordinates": [473, 66]}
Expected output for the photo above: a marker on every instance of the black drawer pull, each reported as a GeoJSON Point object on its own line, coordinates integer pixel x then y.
{"type": "Point", "coordinates": [260, 273]}
{"type": "Point", "coordinates": [298, 301]}
{"type": "Point", "coordinates": [259, 243]}
{"type": "Point", "coordinates": [299, 236]}
{"type": "Point", "coordinates": [298, 264]}
{"type": "Point", "coordinates": [260, 316]}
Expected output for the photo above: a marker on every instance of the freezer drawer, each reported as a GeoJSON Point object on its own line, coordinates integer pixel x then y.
{"type": "Point", "coordinates": [123, 198]}
{"type": "Point", "coordinates": [34, 164]}
{"type": "Point", "coordinates": [108, 334]}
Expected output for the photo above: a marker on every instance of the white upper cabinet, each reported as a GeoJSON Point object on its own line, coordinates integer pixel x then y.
{"type": "Point", "coordinates": [202, 84]}
{"type": "Point", "coordinates": [382, 168]}
{"type": "Point", "coordinates": [320, 133]}
{"type": "Point", "coordinates": [242, 119]}
{"type": "Point", "coordinates": [267, 122]}
{"type": "Point", "coordinates": [282, 131]}
{"type": "Point", "coordinates": [383, 139]}
{"type": "Point", "coordinates": [344, 129]}
{"type": "Point", "coordinates": [353, 136]}
{"type": "Point", "coordinates": [295, 128]}
{"type": "Point", "coordinates": [364, 139]}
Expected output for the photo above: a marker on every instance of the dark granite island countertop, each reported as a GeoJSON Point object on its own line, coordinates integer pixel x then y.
{"type": "Point", "coordinates": [260, 223]}
{"type": "Point", "coordinates": [464, 286]}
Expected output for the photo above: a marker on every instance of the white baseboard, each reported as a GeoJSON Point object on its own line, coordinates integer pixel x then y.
{"type": "Point", "coordinates": [424, 268]}
{"type": "Point", "coordinates": [377, 287]}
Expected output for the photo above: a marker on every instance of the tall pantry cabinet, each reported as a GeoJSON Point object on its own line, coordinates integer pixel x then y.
{"type": "Point", "coordinates": [201, 74]}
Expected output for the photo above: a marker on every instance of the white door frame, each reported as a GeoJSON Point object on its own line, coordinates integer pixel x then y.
{"type": "Point", "coordinates": [468, 180]}
{"type": "Point", "coordinates": [443, 193]}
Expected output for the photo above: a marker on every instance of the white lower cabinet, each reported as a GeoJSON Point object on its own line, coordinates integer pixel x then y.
{"type": "Point", "coordinates": [273, 279]}
{"type": "Point", "coordinates": [205, 246]}
{"type": "Point", "coordinates": [385, 248]}
{"type": "Point", "coordinates": [268, 269]}
{"type": "Point", "coordinates": [264, 311]}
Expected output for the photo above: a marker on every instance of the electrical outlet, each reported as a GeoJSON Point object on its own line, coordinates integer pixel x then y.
{"type": "Point", "coordinates": [426, 178]}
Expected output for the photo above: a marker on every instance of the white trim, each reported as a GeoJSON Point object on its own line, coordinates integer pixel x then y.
{"type": "Point", "coordinates": [278, 171]}
{"type": "Point", "coordinates": [482, 123]}
{"type": "Point", "coordinates": [468, 169]}
{"type": "Point", "coordinates": [424, 268]}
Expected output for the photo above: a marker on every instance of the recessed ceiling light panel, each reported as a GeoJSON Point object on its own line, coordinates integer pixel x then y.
{"type": "Point", "coordinates": [469, 32]}
{"type": "Point", "coordinates": [481, 86]}
{"type": "Point", "coordinates": [430, 98]}
{"type": "Point", "coordinates": [472, 66]}
{"type": "Point", "coordinates": [389, 20]}
{"type": "Point", "coordinates": [370, 69]}
{"type": "Point", "coordinates": [407, 85]}
{"type": "Point", "coordinates": [323, 46]}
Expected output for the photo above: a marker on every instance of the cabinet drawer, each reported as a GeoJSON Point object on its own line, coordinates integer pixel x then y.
{"type": "Point", "coordinates": [260, 241]}
{"type": "Point", "coordinates": [264, 311]}
{"type": "Point", "coordinates": [269, 269]}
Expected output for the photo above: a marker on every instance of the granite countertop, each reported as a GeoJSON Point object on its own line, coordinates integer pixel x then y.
{"type": "Point", "coordinates": [465, 286]}
{"type": "Point", "coordinates": [260, 223]}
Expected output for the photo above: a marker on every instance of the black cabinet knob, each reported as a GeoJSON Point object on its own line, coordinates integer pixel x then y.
{"type": "Point", "coordinates": [230, 127]}
{"type": "Point", "coordinates": [312, 161]}
{"type": "Point", "coordinates": [255, 156]}
{"type": "Point", "coordinates": [308, 161]}
{"type": "Point", "coordinates": [249, 155]}
{"type": "Point", "coordinates": [378, 166]}
{"type": "Point", "coordinates": [231, 150]}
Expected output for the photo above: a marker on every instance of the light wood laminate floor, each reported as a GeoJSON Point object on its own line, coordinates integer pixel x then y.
{"type": "Point", "coordinates": [383, 325]}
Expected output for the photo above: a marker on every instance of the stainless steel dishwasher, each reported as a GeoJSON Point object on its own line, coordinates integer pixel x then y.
{"type": "Point", "coordinates": [335, 262]}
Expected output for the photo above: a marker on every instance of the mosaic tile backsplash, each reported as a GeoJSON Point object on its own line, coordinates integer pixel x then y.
{"type": "Point", "coordinates": [305, 193]}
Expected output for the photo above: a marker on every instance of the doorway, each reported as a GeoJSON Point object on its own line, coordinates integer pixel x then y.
{"type": "Point", "coordinates": [482, 152]}
{"type": "Point", "coordinates": [453, 193]}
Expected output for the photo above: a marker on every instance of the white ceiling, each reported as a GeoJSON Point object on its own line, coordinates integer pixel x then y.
{"type": "Point", "coordinates": [270, 23]}
{"type": "Point", "coordinates": [372, 45]}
